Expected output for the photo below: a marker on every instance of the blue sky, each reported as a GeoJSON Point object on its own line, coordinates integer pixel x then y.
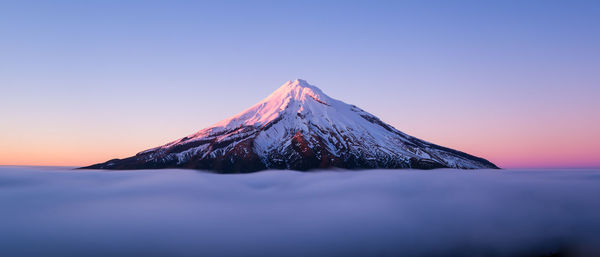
{"type": "Point", "coordinates": [498, 79]}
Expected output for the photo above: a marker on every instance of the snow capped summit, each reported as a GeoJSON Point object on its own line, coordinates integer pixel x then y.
{"type": "Point", "coordinates": [298, 127]}
{"type": "Point", "coordinates": [294, 93]}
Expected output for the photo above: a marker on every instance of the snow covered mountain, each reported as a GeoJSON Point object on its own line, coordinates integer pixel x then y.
{"type": "Point", "coordinates": [298, 127]}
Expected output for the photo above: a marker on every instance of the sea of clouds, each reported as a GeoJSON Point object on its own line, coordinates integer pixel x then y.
{"type": "Point", "coordinates": [46, 211]}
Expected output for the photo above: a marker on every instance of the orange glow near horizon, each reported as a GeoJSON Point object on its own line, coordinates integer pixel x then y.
{"type": "Point", "coordinates": [505, 147]}
{"type": "Point", "coordinates": [527, 158]}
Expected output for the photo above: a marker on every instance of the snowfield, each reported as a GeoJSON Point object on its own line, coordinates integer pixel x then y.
{"type": "Point", "coordinates": [63, 212]}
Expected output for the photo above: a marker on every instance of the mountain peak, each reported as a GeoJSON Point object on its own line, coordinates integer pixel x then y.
{"type": "Point", "coordinates": [296, 96]}
{"type": "Point", "coordinates": [298, 84]}
{"type": "Point", "coordinates": [299, 89]}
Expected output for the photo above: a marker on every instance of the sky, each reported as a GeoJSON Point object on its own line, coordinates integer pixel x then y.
{"type": "Point", "coordinates": [515, 82]}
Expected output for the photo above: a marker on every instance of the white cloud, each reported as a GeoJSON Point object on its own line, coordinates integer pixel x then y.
{"type": "Point", "coordinates": [59, 212]}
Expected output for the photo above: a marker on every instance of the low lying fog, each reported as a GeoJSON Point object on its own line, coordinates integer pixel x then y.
{"type": "Point", "coordinates": [62, 212]}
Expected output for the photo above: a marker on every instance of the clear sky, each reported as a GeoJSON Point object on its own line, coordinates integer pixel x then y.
{"type": "Point", "coordinates": [516, 82]}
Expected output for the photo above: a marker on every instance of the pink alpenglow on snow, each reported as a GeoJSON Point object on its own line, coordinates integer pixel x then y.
{"type": "Point", "coordinates": [298, 127]}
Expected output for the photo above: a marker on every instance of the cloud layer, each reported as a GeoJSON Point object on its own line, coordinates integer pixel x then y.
{"type": "Point", "coordinates": [62, 212]}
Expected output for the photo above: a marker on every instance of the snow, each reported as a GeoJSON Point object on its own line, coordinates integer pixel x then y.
{"type": "Point", "coordinates": [297, 106]}
{"type": "Point", "coordinates": [62, 212]}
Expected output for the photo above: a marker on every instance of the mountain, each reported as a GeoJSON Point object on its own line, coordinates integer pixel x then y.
{"type": "Point", "coordinates": [298, 127]}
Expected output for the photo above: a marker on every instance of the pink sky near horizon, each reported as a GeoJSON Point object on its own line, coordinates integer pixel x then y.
{"type": "Point", "coordinates": [537, 153]}
{"type": "Point", "coordinates": [524, 143]}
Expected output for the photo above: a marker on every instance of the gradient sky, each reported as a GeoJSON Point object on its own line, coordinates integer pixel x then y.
{"type": "Point", "coordinates": [516, 82]}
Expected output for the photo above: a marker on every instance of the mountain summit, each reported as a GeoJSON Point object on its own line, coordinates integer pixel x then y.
{"type": "Point", "coordinates": [298, 127]}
